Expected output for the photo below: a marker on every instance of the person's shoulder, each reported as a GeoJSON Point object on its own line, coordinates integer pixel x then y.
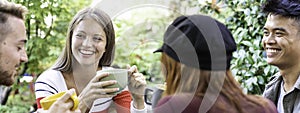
{"type": "Point", "coordinates": [258, 98]}
{"type": "Point", "coordinates": [164, 105]}
{"type": "Point", "coordinates": [48, 83]}
{"type": "Point", "coordinates": [49, 75]}
{"type": "Point", "coordinates": [187, 103]}
{"type": "Point", "coordinates": [265, 104]}
{"type": "Point", "coordinates": [179, 98]}
{"type": "Point", "coordinates": [165, 99]}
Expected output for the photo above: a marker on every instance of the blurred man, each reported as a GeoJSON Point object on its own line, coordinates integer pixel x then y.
{"type": "Point", "coordinates": [281, 42]}
{"type": "Point", "coordinates": [13, 53]}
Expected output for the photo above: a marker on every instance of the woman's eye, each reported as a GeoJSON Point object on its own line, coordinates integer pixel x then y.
{"type": "Point", "coordinates": [97, 38]}
{"type": "Point", "coordinates": [79, 36]}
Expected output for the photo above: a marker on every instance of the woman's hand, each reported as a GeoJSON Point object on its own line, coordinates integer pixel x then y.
{"type": "Point", "coordinates": [63, 104]}
{"type": "Point", "coordinates": [136, 86]}
{"type": "Point", "coordinates": [95, 90]}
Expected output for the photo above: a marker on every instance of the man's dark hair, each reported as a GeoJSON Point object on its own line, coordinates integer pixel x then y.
{"type": "Point", "coordinates": [9, 9]}
{"type": "Point", "coordinates": [287, 8]}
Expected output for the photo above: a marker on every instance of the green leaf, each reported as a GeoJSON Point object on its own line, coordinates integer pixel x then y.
{"type": "Point", "coordinates": [247, 43]}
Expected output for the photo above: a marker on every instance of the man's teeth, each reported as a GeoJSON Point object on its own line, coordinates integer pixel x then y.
{"type": "Point", "coordinates": [86, 52]}
{"type": "Point", "coordinates": [272, 50]}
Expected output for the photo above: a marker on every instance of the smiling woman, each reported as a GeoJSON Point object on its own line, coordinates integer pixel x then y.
{"type": "Point", "coordinates": [88, 44]}
{"type": "Point", "coordinates": [90, 48]}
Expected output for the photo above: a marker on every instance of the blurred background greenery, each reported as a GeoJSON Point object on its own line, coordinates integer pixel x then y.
{"type": "Point", "coordinates": [139, 32]}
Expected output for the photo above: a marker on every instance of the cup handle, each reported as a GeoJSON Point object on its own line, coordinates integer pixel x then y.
{"type": "Point", "coordinates": [147, 90]}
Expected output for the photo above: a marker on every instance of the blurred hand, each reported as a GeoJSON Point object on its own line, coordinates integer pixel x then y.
{"type": "Point", "coordinates": [95, 90]}
{"type": "Point", "coordinates": [63, 104]}
{"type": "Point", "coordinates": [137, 84]}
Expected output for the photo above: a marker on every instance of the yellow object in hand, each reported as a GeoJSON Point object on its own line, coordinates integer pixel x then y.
{"type": "Point", "coordinates": [49, 100]}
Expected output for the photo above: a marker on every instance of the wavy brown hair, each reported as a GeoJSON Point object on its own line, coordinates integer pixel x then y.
{"type": "Point", "coordinates": [183, 79]}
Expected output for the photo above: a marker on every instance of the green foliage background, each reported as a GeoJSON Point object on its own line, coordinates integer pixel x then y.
{"type": "Point", "coordinates": [139, 35]}
{"type": "Point", "coordinates": [46, 24]}
{"type": "Point", "coordinates": [242, 17]}
{"type": "Point", "coordinates": [245, 20]}
{"type": "Point", "coordinates": [249, 65]}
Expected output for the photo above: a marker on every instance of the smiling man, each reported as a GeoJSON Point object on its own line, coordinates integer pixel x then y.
{"type": "Point", "coordinates": [13, 53]}
{"type": "Point", "coordinates": [281, 42]}
{"type": "Point", "coordinates": [12, 44]}
{"type": "Point", "coordinates": [12, 41]}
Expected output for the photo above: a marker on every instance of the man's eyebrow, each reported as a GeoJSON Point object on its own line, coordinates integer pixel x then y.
{"type": "Point", "coordinates": [280, 29]}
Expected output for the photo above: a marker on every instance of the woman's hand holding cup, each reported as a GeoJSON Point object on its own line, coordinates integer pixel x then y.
{"type": "Point", "coordinates": [96, 89]}
{"type": "Point", "coordinates": [137, 85]}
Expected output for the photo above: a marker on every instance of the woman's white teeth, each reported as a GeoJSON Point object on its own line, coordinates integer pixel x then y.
{"type": "Point", "coordinates": [86, 52]}
{"type": "Point", "coordinates": [272, 50]}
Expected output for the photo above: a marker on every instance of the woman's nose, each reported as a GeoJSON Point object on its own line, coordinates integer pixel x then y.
{"type": "Point", "coordinates": [87, 42]}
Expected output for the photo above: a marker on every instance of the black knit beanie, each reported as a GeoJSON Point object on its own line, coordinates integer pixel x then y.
{"type": "Point", "coordinates": [199, 41]}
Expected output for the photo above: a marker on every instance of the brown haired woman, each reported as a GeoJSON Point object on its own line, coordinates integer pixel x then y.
{"type": "Point", "coordinates": [196, 56]}
{"type": "Point", "coordinates": [90, 48]}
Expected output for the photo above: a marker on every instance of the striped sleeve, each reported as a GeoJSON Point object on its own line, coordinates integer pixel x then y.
{"type": "Point", "coordinates": [48, 83]}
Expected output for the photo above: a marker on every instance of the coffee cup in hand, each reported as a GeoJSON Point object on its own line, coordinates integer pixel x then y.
{"type": "Point", "coordinates": [119, 75]}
